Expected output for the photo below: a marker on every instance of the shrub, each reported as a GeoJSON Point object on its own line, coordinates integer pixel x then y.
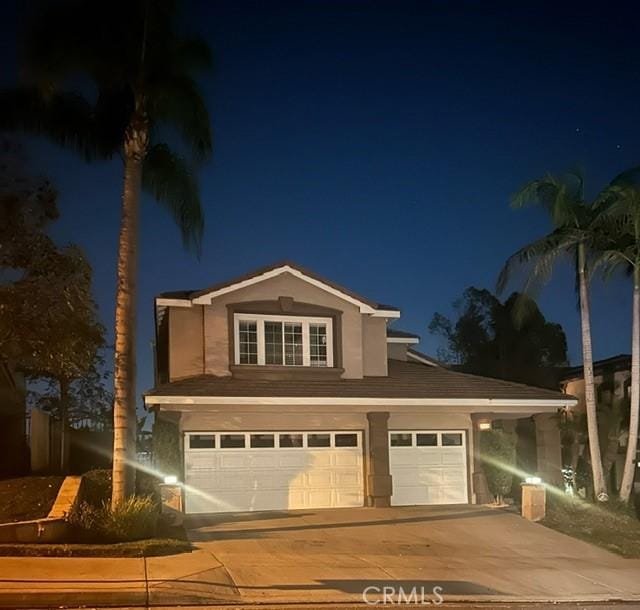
{"type": "Point", "coordinates": [167, 456]}
{"type": "Point", "coordinates": [498, 453]}
{"type": "Point", "coordinates": [135, 518]}
{"type": "Point", "coordinates": [96, 487]}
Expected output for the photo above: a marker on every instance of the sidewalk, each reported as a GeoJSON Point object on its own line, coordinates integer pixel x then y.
{"type": "Point", "coordinates": [188, 579]}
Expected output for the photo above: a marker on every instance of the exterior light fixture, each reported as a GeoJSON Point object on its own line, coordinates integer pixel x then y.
{"type": "Point", "coordinates": [484, 425]}
{"type": "Point", "coordinates": [170, 479]}
{"type": "Point", "coordinates": [533, 480]}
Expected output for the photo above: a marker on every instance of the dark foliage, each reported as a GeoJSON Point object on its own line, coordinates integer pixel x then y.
{"type": "Point", "coordinates": [495, 339]}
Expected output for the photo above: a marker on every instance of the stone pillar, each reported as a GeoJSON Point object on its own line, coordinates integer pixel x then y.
{"type": "Point", "coordinates": [378, 478]}
{"type": "Point", "coordinates": [548, 448]}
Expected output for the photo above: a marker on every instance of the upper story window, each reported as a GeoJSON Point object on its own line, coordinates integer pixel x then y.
{"type": "Point", "coordinates": [283, 340]}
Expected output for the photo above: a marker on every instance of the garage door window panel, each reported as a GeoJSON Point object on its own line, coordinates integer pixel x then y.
{"type": "Point", "coordinates": [451, 439]}
{"type": "Point", "coordinates": [401, 439]}
{"type": "Point", "coordinates": [346, 440]}
{"type": "Point", "coordinates": [232, 441]}
{"type": "Point", "coordinates": [262, 441]}
{"type": "Point", "coordinates": [319, 440]}
{"type": "Point", "coordinates": [290, 441]}
{"type": "Point", "coordinates": [428, 439]}
{"type": "Point", "coordinates": [202, 441]}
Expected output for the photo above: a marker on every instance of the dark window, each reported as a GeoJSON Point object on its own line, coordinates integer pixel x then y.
{"type": "Point", "coordinates": [273, 342]}
{"type": "Point", "coordinates": [202, 441]}
{"type": "Point", "coordinates": [248, 341]}
{"type": "Point", "coordinates": [451, 439]}
{"type": "Point", "coordinates": [290, 440]}
{"type": "Point", "coordinates": [346, 440]}
{"type": "Point", "coordinates": [261, 441]}
{"type": "Point", "coordinates": [400, 440]}
{"type": "Point", "coordinates": [293, 343]}
{"type": "Point", "coordinates": [232, 441]}
{"type": "Point", "coordinates": [429, 439]}
{"type": "Point", "coordinates": [318, 344]}
{"type": "Point", "coordinates": [319, 440]}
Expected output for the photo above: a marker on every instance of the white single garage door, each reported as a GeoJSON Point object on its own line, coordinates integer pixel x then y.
{"type": "Point", "coordinates": [428, 467]}
{"type": "Point", "coordinates": [248, 471]}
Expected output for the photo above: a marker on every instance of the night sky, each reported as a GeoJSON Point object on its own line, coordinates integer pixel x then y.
{"type": "Point", "coordinates": [378, 144]}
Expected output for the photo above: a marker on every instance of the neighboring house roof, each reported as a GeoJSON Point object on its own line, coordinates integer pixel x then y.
{"type": "Point", "coordinates": [406, 380]}
{"type": "Point", "coordinates": [401, 336]}
{"type": "Point", "coordinates": [394, 332]}
{"type": "Point", "coordinates": [204, 296]}
{"type": "Point", "coordinates": [621, 362]}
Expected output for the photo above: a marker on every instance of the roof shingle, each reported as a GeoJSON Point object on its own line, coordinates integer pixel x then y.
{"type": "Point", "coordinates": [405, 380]}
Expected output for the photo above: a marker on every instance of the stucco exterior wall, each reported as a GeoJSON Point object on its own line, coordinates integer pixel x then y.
{"type": "Point", "coordinates": [374, 346]}
{"type": "Point", "coordinates": [216, 322]}
{"type": "Point", "coordinates": [185, 342]}
{"type": "Point", "coordinates": [213, 422]}
{"type": "Point", "coordinates": [397, 351]}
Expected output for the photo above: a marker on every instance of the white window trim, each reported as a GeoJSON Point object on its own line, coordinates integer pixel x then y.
{"type": "Point", "coordinates": [438, 433]}
{"type": "Point", "coordinates": [260, 319]}
{"type": "Point", "coordinates": [276, 433]}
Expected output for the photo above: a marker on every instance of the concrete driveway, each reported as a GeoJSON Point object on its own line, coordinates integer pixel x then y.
{"type": "Point", "coordinates": [470, 552]}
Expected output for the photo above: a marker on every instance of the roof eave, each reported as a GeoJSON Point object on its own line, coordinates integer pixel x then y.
{"type": "Point", "coordinates": [552, 403]}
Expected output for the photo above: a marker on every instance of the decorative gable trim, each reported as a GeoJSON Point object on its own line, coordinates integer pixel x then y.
{"type": "Point", "coordinates": [365, 308]}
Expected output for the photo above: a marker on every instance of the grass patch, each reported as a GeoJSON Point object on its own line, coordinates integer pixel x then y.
{"type": "Point", "coordinates": [609, 526]}
{"type": "Point", "coordinates": [152, 547]}
{"type": "Point", "coordinates": [26, 498]}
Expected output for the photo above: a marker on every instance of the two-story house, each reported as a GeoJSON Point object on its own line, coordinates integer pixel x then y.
{"type": "Point", "coordinates": [293, 392]}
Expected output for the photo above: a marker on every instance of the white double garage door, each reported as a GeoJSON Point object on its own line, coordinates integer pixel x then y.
{"type": "Point", "coordinates": [253, 471]}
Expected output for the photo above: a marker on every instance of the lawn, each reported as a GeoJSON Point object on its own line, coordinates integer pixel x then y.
{"type": "Point", "coordinates": [609, 528]}
{"type": "Point", "coordinates": [140, 548]}
{"type": "Point", "coordinates": [27, 498]}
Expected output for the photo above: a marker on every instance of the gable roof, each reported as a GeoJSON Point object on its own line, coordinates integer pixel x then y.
{"type": "Point", "coordinates": [408, 381]}
{"type": "Point", "coordinates": [200, 297]}
{"type": "Point", "coordinates": [621, 362]}
{"type": "Point", "coordinates": [414, 354]}
{"type": "Point", "coordinates": [400, 336]}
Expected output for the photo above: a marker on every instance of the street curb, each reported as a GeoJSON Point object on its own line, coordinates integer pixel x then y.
{"type": "Point", "coordinates": [138, 598]}
{"type": "Point", "coordinates": [69, 598]}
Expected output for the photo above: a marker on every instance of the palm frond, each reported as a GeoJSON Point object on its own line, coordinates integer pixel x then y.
{"type": "Point", "coordinates": [169, 179]}
{"type": "Point", "coordinates": [67, 119]}
{"type": "Point", "coordinates": [539, 254]}
{"type": "Point", "coordinates": [193, 53]}
{"type": "Point", "coordinates": [610, 262]}
{"type": "Point", "coordinates": [179, 103]}
{"type": "Point", "coordinates": [561, 196]}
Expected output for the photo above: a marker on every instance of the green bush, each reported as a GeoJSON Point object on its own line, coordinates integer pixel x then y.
{"type": "Point", "coordinates": [167, 456]}
{"type": "Point", "coordinates": [96, 487]}
{"type": "Point", "coordinates": [135, 518]}
{"type": "Point", "coordinates": [498, 454]}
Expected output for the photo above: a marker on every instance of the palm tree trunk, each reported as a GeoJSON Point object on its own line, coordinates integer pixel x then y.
{"type": "Point", "coordinates": [626, 486]}
{"type": "Point", "coordinates": [124, 408]}
{"type": "Point", "coordinates": [599, 485]}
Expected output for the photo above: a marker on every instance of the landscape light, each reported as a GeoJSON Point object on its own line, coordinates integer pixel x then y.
{"type": "Point", "coordinates": [533, 480]}
{"type": "Point", "coordinates": [170, 479]}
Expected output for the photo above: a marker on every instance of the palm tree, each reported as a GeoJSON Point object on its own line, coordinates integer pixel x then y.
{"type": "Point", "coordinates": [145, 92]}
{"type": "Point", "coordinates": [572, 236]}
{"type": "Point", "coordinates": [619, 216]}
